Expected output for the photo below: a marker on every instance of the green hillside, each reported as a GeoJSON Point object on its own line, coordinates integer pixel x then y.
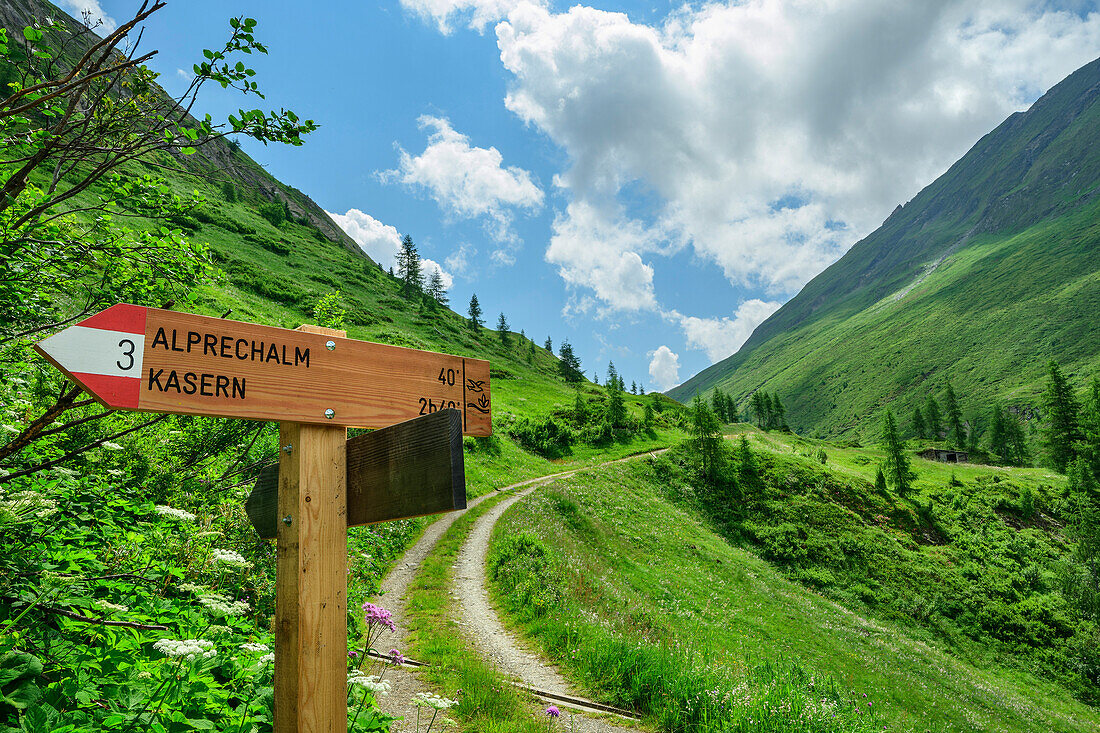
{"type": "Point", "coordinates": [797, 593]}
{"type": "Point", "coordinates": [983, 277]}
{"type": "Point", "coordinates": [134, 594]}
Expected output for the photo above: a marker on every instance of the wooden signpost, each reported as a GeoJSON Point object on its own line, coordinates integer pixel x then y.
{"type": "Point", "coordinates": [316, 383]}
{"type": "Point", "coordinates": [155, 360]}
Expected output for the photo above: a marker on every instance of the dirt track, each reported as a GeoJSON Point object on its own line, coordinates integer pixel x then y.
{"type": "Point", "coordinates": [477, 619]}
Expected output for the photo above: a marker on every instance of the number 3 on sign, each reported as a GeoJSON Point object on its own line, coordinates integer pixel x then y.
{"type": "Point", "coordinates": [128, 351]}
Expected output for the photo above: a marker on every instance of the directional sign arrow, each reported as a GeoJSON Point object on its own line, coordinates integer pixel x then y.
{"type": "Point", "coordinates": [155, 360]}
{"type": "Point", "coordinates": [406, 470]}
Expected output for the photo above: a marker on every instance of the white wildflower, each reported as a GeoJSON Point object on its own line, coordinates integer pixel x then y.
{"type": "Point", "coordinates": [266, 659]}
{"type": "Point", "coordinates": [250, 647]}
{"type": "Point", "coordinates": [191, 649]}
{"type": "Point", "coordinates": [111, 446]}
{"type": "Point", "coordinates": [369, 682]}
{"type": "Point", "coordinates": [231, 558]}
{"type": "Point", "coordinates": [434, 701]}
{"type": "Point", "coordinates": [109, 607]}
{"type": "Point", "coordinates": [221, 605]}
{"type": "Point", "coordinates": [193, 588]}
{"type": "Point", "coordinates": [168, 511]}
{"type": "Point", "coordinates": [217, 630]}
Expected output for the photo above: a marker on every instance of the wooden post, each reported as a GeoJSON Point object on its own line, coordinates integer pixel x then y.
{"type": "Point", "coordinates": [311, 578]}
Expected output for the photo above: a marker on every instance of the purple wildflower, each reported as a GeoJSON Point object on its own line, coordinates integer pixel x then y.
{"type": "Point", "coordinates": [377, 616]}
{"type": "Point", "coordinates": [396, 657]}
{"type": "Point", "coordinates": [553, 711]}
{"type": "Point", "coordinates": [353, 654]}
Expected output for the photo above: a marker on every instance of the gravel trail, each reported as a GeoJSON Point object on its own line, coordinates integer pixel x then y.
{"type": "Point", "coordinates": [477, 624]}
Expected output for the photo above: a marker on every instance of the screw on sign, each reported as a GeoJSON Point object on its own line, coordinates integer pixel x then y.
{"type": "Point", "coordinates": [315, 383]}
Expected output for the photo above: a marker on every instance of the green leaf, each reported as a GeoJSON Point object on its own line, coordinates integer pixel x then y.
{"type": "Point", "coordinates": [187, 151]}
{"type": "Point", "coordinates": [15, 666]}
{"type": "Point", "coordinates": [32, 34]}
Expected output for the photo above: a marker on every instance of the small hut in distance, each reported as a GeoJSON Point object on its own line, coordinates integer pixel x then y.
{"type": "Point", "coordinates": [944, 456]}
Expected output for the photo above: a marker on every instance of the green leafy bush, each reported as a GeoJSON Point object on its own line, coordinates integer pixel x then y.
{"type": "Point", "coordinates": [546, 437]}
{"type": "Point", "coordinates": [524, 571]}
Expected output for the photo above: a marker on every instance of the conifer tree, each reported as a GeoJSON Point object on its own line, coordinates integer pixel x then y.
{"type": "Point", "coordinates": [549, 345]}
{"type": "Point", "coordinates": [616, 407]}
{"type": "Point", "coordinates": [718, 404]}
{"type": "Point", "coordinates": [502, 330]}
{"type": "Point", "coordinates": [436, 290]}
{"type": "Point", "coordinates": [641, 389]}
{"type": "Point", "coordinates": [569, 366]}
{"type": "Point", "coordinates": [409, 269]}
{"type": "Point", "coordinates": [935, 420]}
{"type": "Point", "coordinates": [1016, 441]}
{"type": "Point", "coordinates": [633, 387]}
{"type": "Point", "coordinates": [880, 481]}
{"type": "Point", "coordinates": [747, 474]}
{"type": "Point", "coordinates": [647, 416]}
{"type": "Point", "coordinates": [953, 415]}
{"type": "Point", "coordinates": [474, 312]}
{"type": "Point", "coordinates": [919, 428]}
{"type": "Point", "coordinates": [998, 435]}
{"type": "Point", "coordinates": [896, 464]}
{"type": "Point", "coordinates": [1090, 428]}
{"type": "Point", "coordinates": [580, 410]}
{"type": "Point", "coordinates": [759, 412]}
{"type": "Point", "coordinates": [780, 413]}
{"type": "Point", "coordinates": [972, 434]}
{"type": "Point", "coordinates": [1062, 429]}
{"type": "Point", "coordinates": [706, 440]}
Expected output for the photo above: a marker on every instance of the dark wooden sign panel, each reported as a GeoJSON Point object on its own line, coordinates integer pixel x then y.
{"type": "Point", "coordinates": [406, 470]}
{"type": "Point", "coordinates": [155, 360]}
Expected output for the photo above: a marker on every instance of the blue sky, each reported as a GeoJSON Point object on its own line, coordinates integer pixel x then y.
{"type": "Point", "coordinates": [647, 180]}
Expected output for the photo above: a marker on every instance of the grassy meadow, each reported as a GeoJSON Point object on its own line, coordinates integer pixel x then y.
{"type": "Point", "coordinates": [651, 603]}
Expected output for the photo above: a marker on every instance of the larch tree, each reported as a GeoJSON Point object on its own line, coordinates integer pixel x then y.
{"type": "Point", "coordinates": [409, 268]}
{"type": "Point", "coordinates": [474, 312]}
{"type": "Point", "coordinates": [436, 290]}
{"type": "Point", "coordinates": [896, 463]}
{"type": "Point", "coordinates": [919, 428]}
{"type": "Point", "coordinates": [953, 415]}
{"type": "Point", "coordinates": [1062, 429]}
{"type": "Point", "coordinates": [934, 417]}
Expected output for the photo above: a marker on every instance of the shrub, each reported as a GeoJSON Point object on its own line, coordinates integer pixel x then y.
{"type": "Point", "coordinates": [545, 437]}
{"type": "Point", "coordinates": [524, 572]}
{"type": "Point", "coordinates": [274, 212]}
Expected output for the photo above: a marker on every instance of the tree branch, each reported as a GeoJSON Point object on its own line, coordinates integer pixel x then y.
{"type": "Point", "coordinates": [102, 621]}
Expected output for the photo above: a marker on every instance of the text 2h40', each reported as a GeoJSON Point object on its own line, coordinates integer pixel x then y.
{"type": "Point", "coordinates": [429, 405]}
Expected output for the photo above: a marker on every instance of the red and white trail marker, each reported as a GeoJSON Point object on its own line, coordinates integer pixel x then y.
{"type": "Point", "coordinates": [103, 354]}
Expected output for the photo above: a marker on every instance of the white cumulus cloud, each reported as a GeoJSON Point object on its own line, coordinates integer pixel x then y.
{"type": "Point", "coordinates": [380, 241]}
{"type": "Point", "coordinates": [592, 251]}
{"type": "Point", "coordinates": [769, 135]}
{"type": "Point", "coordinates": [720, 337]}
{"type": "Point", "coordinates": [476, 14]}
{"type": "Point", "coordinates": [467, 182]}
{"type": "Point", "coordinates": [427, 267]}
{"type": "Point", "coordinates": [664, 368]}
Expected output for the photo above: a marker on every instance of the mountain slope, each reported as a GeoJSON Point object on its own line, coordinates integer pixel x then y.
{"type": "Point", "coordinates": [987, 273]}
